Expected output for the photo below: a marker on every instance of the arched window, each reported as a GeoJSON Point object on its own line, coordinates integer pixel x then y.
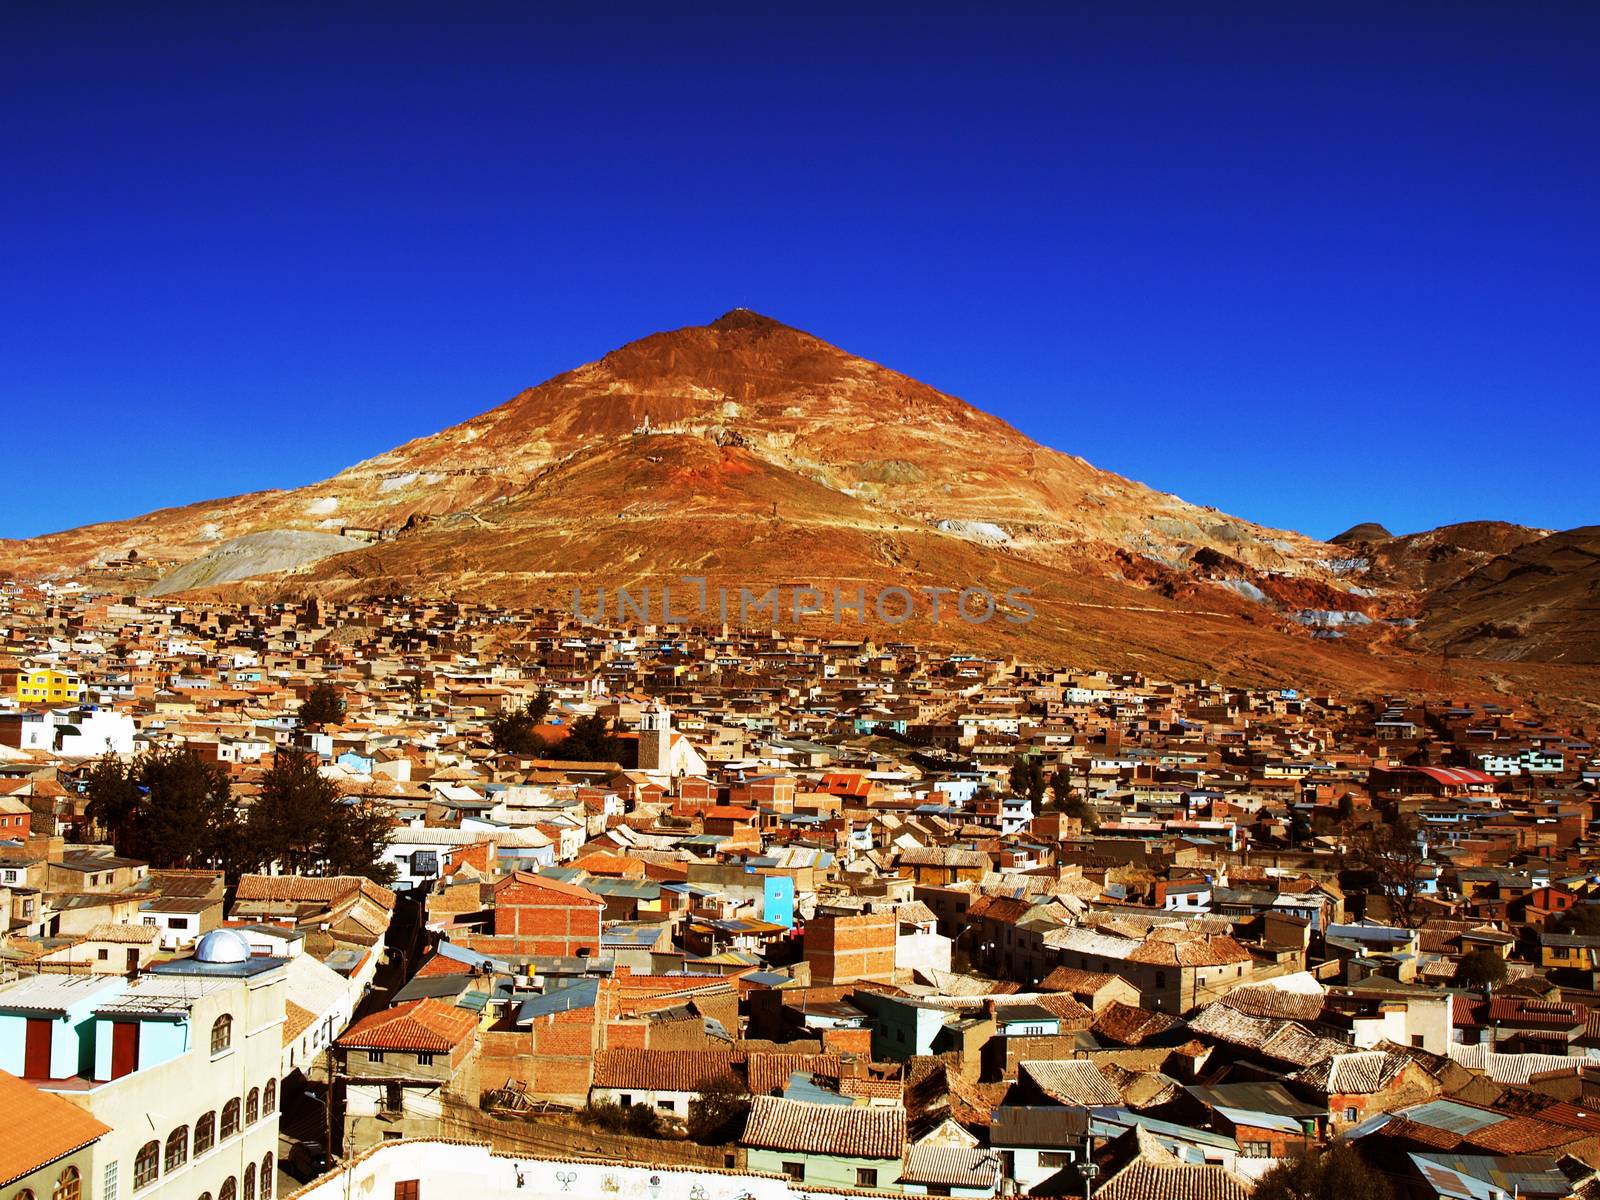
{"type": "Point", "coordinates": [250, 1182]}
{"type": "Point", "coordinates": [266, 1178]}
{"type": "Point", "coordinates": [146, 1165]}
{"type": "Point", "coordinates": [205, 1133]}
{"type": "Point", "coordinates": [269, 1097]}
{"type": "Point", "coordinates": [177, 1148]}
{"type": "Point", "coordinates": [252, 1107]}
{"type": "Point", "coordinates": [69, 1185]}
{"type": "Point", "coordinates": [230, 1120]}
{"type": "Point", "coordinates": [221, 1033]}
{"type": "Point", "coordinates": [228, 1191]}
{"type": "Point", "coordinates": [205, 1196]}
{"type": "Point", "coordinates": [24, 1194]}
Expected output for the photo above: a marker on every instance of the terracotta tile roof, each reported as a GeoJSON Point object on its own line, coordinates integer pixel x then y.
{"type": "Point", "coordinates": [853, 1132]}
{"type": "Point", "coordinates": [1357, 1074]}
{"type": "Point", "coordinates": [40, 1128]}
{"type": "Point", "coordinates": [663, 1070]}
{"type": "Point", "coordinates": [768, 1073]}
{"type": "Point", "coordinates": [952, 1167]}
{"type": "Point", "coordinates": [1262, 1001]}
{"type": "Point", "coordinates": [1128, 1025]}
{"type": "Point", "coordinates": [420, 1025]}
{"type": "Point", "coordinates": [1072, 1081]}
{"type": "Point", "coordinates": [305, 889]}
{"type": "Point", "coordinates": [1070, 979]}
{"type": "Point", "coordinates": [1179, 1181]}
{"type": "Point", "coordinates": [296, 1020]}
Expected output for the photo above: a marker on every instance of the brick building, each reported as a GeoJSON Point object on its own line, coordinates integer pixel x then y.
{"type": "Point", "coordinates": [546, 916]}
{"type": "Point", "coordinates": [856, 949]}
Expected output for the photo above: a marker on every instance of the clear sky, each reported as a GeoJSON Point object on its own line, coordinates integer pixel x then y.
{"type": "Point", "coordinates": [1310, 263]}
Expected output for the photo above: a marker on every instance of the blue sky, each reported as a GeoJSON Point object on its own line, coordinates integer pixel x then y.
{"type": "Point", "coordinates": [1313, 264]}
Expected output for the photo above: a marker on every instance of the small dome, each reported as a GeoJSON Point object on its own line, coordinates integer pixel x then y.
{"type": "Point", "coordinates": [223, 946]}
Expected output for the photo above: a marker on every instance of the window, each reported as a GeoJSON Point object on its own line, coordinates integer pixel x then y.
{"type": "Point", "coordinates": [221, 1033]}
{"type": "Point", "coordinates": [69, 1185]}
{"type": "Point", "coordinates": [230, 1119]}
{"type": "Point", "coordinates": [374, 1055]}
{"type": "Point", "coordinates": [103, 954]}
{"type": "Point", "coordinates": [228, 1191]}
{"type": "Point", "coordinates": [177, 1148]}
{"type": "Point", "coordinates": [665, 1106]}
{"type": "Point", "coordinates": [795, 1171]}
{"type": "Point", "coordinates": [250, 1182]}
{"type": "Point", "coordinates": [252, 1108]}
{"type": "Point", "coordinates": [866, 1177]}
{"type": "Point", "coordinates": [408, 1189]}
{"type": "Point", "coordinates": [424, 1060]}
{"type": "Point", "coordinates": [1256, 1149]}
{"type": "Point", "coordinates": [146, 1165]}
{"type": "Point", "coordinates": [176, 922]}
{"type": "Point", "coordinates": [1056, 1158]}
{"type": "Point", "coordinates": [266, 1178]}
{"type": "Point", "coordinates": [269, 1097]}
{"type": "Point", "coordinates": [1161, 979]}
{"type": "Point", "coordinates": [108, 1186]}
{"type": "Point", "coordinates": [24, 1194]}
{"type": "Point", "coordinates": [205, 1133]}
{"type": "Point", "coordinates": [1350, 1113]}
{"type": "Point", "coordinates": [626, 1100]}
{"type": "Point", "coordinates": [1416, 1040]}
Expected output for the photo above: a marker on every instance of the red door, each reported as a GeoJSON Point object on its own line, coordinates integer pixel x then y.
{"type": "Point", "coordinates": [36, 1052]}
{"type": "Point", "coordinates": [124, 1048]}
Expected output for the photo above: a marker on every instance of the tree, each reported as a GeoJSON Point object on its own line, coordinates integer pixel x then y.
{"type": "Point", "coordinates": [301, 823]}
{"type": "Point", "coordinates": [1582, 920]}
{"type": "Point", "coordinates": [1481, 968]}
{"type": "Point", "coordinates": [589, 739]}
{"type": "Point", "coordinates": [1027, 778]}
{"type": "Point", "coordinates": [114, 802]}
{"type": "Point", "coordinates": [516, 732]}
{"type": "Point", "coordinates": [322, 706]}
{"type": "Point", "coordinates": [1336, 1173]}
{"type": "Point", "coordinates": [1392, 855]}
{"type": "Point", "coordinates": [168, 808]}
{"type": "Point", "coordinates": [718, 1113]}
{"type": "Point", "coordinates": [1061, 787]}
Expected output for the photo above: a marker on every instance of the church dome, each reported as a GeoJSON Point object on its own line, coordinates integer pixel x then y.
{"type": "Point", "coordinates": [223, 946]}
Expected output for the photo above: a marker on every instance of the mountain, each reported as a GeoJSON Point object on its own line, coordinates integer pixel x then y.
{"type": "Point", "coordinates": [754, 454]}
{"type": "Point", "coordinates": [1539, 601]}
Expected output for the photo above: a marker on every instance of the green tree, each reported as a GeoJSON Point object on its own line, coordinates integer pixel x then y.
{"type": "Point", "coordinates": [114, 803]}
{"type": "Point", "coordinates": [168, 808]}
{"type": "Point", "coordinates": [1028, 779]}
{"type": "Point", "coordinates": [1061, 787]}
{"type": "Point", "coordinates": [1582, 920]}
{"type": "Point", "coordinates": [589, 739]}
{"type": "Point", "coordinates": [1480, 968]}
{"type": "Point", "coordinates": [301, 824]}
{"type": "Point", "coordinates": [717, 1115]}
{"type": "Point", "coordinates": [516, 732]}
{"type": "Point", "coordinates": [322, 706]}
{"type": "Point", "coordinates": [1334, 1173]}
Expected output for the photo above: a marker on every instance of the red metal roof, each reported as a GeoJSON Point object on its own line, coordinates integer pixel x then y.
{"type": "Point", "coordinates": [1455, 776]}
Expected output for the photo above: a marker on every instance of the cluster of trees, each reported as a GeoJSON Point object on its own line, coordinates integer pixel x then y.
{"type": "Point", "coordinates": [589, 739]}
{"type": "Point", "coordinates": [1335, 1173]}
{"type": "Point", "coordinates": [1028, 779]}
{"type": "Point", "coordinates": [173, 810]}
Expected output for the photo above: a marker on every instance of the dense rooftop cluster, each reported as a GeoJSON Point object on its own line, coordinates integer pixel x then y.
{"type": "Point", "coordinates": [866, 914]}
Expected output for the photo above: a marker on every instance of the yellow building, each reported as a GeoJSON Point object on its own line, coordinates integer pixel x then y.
{"type": "Point", "coordinates": [43, 685]}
